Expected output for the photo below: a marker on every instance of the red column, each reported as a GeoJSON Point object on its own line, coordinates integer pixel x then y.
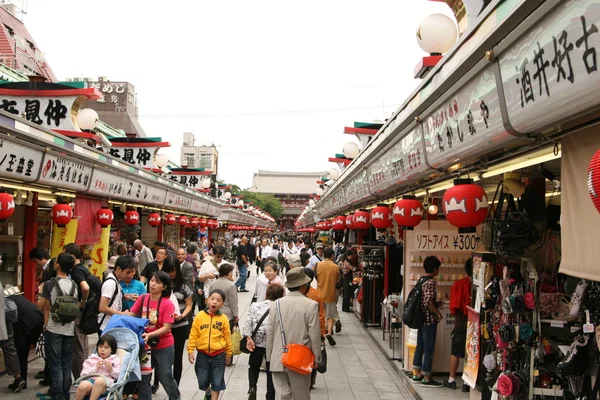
{"type": "Point", "coordinates": [29, 242]}
{"type": "Point", "coordinates": [159, 232]}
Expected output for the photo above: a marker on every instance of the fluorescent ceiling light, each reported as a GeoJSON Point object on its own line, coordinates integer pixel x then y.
{"type": "Point", "coordinates": [27, 188]}
{"type": "Point", "coordinates": [440, 186]}
{"type": "Point", "coordinates": [527, 161]}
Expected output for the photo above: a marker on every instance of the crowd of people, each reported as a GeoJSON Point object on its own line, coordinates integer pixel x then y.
{"type": "Point", "coordinates": [184, 299]}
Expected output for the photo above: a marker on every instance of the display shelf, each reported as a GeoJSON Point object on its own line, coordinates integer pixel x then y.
{"type": "Point", "coordinates": [548, 392]}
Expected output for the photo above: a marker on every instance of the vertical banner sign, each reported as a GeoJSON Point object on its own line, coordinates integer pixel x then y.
{"type": "Point", "coordinates": [63, 236]}
{"type": "Point", "coordinates": [472, 352]}
{"type": "Point", "coordinates": [99, 253]}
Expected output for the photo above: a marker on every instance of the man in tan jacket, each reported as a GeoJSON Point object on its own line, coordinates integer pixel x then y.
{"type": "Point", "coordinates": [327, 274]}
{"type": "Point", "coordinates": [300, 320]}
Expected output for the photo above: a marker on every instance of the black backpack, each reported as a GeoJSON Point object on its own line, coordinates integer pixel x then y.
{"type": "Point", "coordinates": [89, 316]}
{"type": "Point", "coordinates": [413, 314]}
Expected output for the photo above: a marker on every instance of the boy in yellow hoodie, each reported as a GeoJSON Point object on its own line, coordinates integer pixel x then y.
{"type": "Point", "coordinates": [211, 337]}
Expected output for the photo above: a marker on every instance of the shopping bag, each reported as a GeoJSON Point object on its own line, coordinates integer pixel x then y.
{"type": "Point", "coordinates": [40, 351]}
{"type": "Point", "coordinates": [236, 338]}
{"type": "Point", "coordinates": [322, 368]}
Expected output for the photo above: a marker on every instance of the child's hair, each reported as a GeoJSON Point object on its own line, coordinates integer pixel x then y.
{"type": "Point", "coordinates": [109, 340]}
{"type": "Point", "coordinates": [219, 292]}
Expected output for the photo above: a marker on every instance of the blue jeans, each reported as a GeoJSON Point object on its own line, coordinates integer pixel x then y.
{"type": "Point", "coordinates": [165, 358]}
{"type": "Point", "coordinates": [241, 282]}
{"type": "Point", "coordinates": [210, 371]}
{"type": "Point", "coordinates": [425, 347]}
{"type": "Point", "coordinates": [59, 353]}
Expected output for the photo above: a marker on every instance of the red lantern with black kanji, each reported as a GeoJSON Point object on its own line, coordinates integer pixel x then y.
{"type": "Point", "coordinates": [202, 222]}
{"type": "Point", "coordinates": [194, 222]}
{"type": "Point", "coordinates": [339, 223]}
{"type": "Point", "coordinates": [408, 212]}
{"type": "Point", "coordinates": [7, 205]}
{"type": "Point", "coordinates": [62, 214]}
{"type": "Point", "coordinates": [465, 205]}
{"type": "Point", "coordinates": [362, 219]}
{"type": "Point", "coordinates": [154, 219]}
{"type": "Point", "coordinates": [182, 220]}
{"type": "Point", "coordinates": [594, 180]}
{"type": "Point", "coordinates": [170, 219]}
{"type": "Point", "coordinates": [104, 217]}
{"type": "Point", "coordinates": [350, 221]}
{"type": "Point", "coordinates": [380, 217]}
{"type": "Point", "coordinates": [132, 217]}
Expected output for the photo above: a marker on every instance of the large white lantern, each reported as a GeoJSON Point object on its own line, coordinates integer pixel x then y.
{"type": "Point", "coordinates": [205, 183]}
{"type": "Point", "coordinates": [319, 192]}
{"type": "Point", "coordinates": [437, 33]}
{"type": "Point", "coordinates": [351, 150]}
{"type": "Point", "coordinates": [87, 119]}
{"type": "Point", "coordinates": [161, 160]}
{"type": "Point", "coordinates": [240, 203]}
{"type": "Point", "coordinates": [227, 195]}
{"type": "Point", "coordinates": [333, 173]}
{"type": "Point", "coordinates": [311, 202]}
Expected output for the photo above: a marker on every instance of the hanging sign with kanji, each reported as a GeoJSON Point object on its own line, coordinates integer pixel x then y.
{"type": "Point", "coordinates": [178, 200]}
{"type": "Point", "coordinates": [107, 184]}
{"type": "Point", "coordinates": [62, 172]}
{"type": "Point", "coordinates": [551, 73]}
{"type": "Point", "coordinates": [53, 109]}
{"type": "Point", "coordinates": [19, 162]}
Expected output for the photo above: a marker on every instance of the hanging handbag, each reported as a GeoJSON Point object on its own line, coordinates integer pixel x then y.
{"type": "Point", "coordinates": [40, 349]}
{"type": "Point", "coordinates": [244, 341]}
{"type": "Point", "coordinates": [295, 357]}
{"type": "Point", "coordinates": [487, 231]}
{"type": "Point", "coordinates": [322, 368]}
{"type": "Point", "coordinates": [236, 338]}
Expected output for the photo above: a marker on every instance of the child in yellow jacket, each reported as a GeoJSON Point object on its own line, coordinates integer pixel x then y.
{"type": "Point", "coordinates": [210, 336]}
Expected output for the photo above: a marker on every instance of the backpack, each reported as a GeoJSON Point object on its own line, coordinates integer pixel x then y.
{"type": "Point", "coordinates": [413, 314]}
{"type": "Point", "coordinates": [89, 317]}
{"type": "Point", "coordinates": [281, 259]}
{"type": "Point", "coordinates": [11, 313]}
{"type": "Point", "coordinates": [66, 306]}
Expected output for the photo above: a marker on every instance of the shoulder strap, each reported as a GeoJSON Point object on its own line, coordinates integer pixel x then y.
{"type": "Point", "coordinates": [73, 287]}
{"type": "Point", "coordinates": [57, 286]}
{"type": "Point", "coordinates": [260, 321]}
{"type": "Point", "coordinates": [283, 341]}
{"type": "Point", "coordinates": [315, 270]}
{"type": "Point", "coordinates": [114, 296]}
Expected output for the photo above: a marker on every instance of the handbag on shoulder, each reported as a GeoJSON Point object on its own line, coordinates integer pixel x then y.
{"type": "Point", "coordinates": [296, 357]}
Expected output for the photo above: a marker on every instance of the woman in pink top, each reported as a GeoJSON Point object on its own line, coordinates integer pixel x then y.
{"type": "Point", "coordinates": [160, 311]}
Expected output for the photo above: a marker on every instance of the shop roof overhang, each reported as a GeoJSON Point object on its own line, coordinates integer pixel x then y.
{"type": "Point", "coordinates": [498, 27]}
{"type": "Point", "coordinates": [234, 216]}
{"type": "Point", "coordinates": [132, 185]}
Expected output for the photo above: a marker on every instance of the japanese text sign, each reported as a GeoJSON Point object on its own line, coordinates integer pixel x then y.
{"type": "Point", "coordinates": [65, 173]}
{"type": "Point", "coordinates": [17, 161]}
{"type": "Point", "coordinates": [141, 156]}
{"type": "Point", "coordinates": [447, 241]}
{"type": "Point", "coordinates": [49, 112]}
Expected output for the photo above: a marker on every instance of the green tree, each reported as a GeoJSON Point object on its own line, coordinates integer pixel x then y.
{"type": "Point", "coordinates": [266, 202]}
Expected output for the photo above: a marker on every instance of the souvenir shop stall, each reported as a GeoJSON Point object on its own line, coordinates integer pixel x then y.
{"type": "Point", "coordinates": [497, 152]}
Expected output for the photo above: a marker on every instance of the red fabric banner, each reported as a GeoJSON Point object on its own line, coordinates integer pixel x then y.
{"type": "Point", "coordinates": [88, 231]}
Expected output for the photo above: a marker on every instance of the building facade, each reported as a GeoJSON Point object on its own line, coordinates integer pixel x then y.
{"type": "Point", "coordinates": [293, 189]}
{"type": "Point", "coordinates": [193, 156]}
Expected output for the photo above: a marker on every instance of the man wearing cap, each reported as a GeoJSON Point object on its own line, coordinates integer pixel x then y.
{"type": "Point", "coordinates": [317, 257]}
{"type": "Point", "coordinates": [300, 320]}
{"type": "Point", "coordinates": [294, 261]}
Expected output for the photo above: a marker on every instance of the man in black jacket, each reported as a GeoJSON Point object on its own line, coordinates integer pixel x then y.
{"type": "Point", "coordinates": [251, 253]}
{"type": "Point", "coordinates": [27, 330]}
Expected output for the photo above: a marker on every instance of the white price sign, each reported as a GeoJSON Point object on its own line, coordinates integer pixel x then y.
{"type": "Point", "coordinates": [447, 241]}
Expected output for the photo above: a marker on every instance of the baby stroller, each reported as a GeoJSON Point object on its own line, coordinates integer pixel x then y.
{"type": "Point", "coordinates": [128, 349]}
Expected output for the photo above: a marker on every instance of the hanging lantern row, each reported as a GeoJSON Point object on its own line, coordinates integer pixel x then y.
{"type": "Point", "coordinates": [339, 223]}
{"type": "Point", "coordinates": [593, 180]}
{"type": "Point", "coordinates": [182, 220]}
{"type": "Point", "coordinates": [408, 212]}
{"type": "Point", "coordinates": [104, 217]}
{"type": "Point", "coordinates": [62, 214]}
{"type": "Point", "coordinates": [7, 205]}
{"type": "Point", "coordinates": [154, 219]}
{"type": "Point", "coordinates": [132, 217]}
{"type": "Point", "coordinates": [381, 217]}
{"type": "Point", "coordinates": [465, 205]}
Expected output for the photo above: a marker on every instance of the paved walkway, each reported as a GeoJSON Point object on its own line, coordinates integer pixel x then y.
{"type": "Point", "coordinates": [356, 370]}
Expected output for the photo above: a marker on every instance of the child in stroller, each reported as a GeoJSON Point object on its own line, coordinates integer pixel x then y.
{"type": "Point", "coordinates": [104, 364]}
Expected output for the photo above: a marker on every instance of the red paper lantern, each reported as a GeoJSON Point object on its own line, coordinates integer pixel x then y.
{"type": "Point", "coordinates": [7, 205]}
{"type": "Point", "coordinates": [154, 219]}
{"type": "Point", "coordinates": [327, 224]}
{"type": "Point", "coordinates": [339, 223]}
{"type": "Point", "coordinates": [182, 220]}
{"type": "Point", "coordinates": [104, 217]}
{"type": "Point", "coordinates": [350, 221]}
{"type": "Point", "coordinates": [408, 212]}
{"type": "Point", "coordinates": [170, 219]}
{"type": "Point", "coordinates": [62, 214]}
{"type": "Point", "coordinates": [594, 180]}
{"type": "Point", "coordinates": [132, 217]}
{"type": "Point", "coordinates": [380, 217]}
{"type": "Point", "coordinates": [362, 219]}
{"type": "Point", "coordinates": [203, 222]}
{"type": "Point", "coordinates": [213, 223]}
{"type": "Point", "coordinates": [465, 205]}
{"type": "Point", "coordinates": [194, 222]}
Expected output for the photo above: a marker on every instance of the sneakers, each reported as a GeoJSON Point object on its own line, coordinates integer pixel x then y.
{"type": "Point", "coordinates": [338, 326]}
{"type": "Point", "coordinates": [18, 385]}
{"type": "Point", "coordinates": [417, 379]}
{"type": "Point", "coordinates": [39, 375]}
{"type": "Point", "coordinates": [431, 383]}
{"type": "Point", "coordinates": [208, 395]}
{"type": "Point", "coordinates": [465, 388]}
{"type": "Point", "coordinates": [450, 385]}
{"type": "Point", "coordinates": [154, 389]}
